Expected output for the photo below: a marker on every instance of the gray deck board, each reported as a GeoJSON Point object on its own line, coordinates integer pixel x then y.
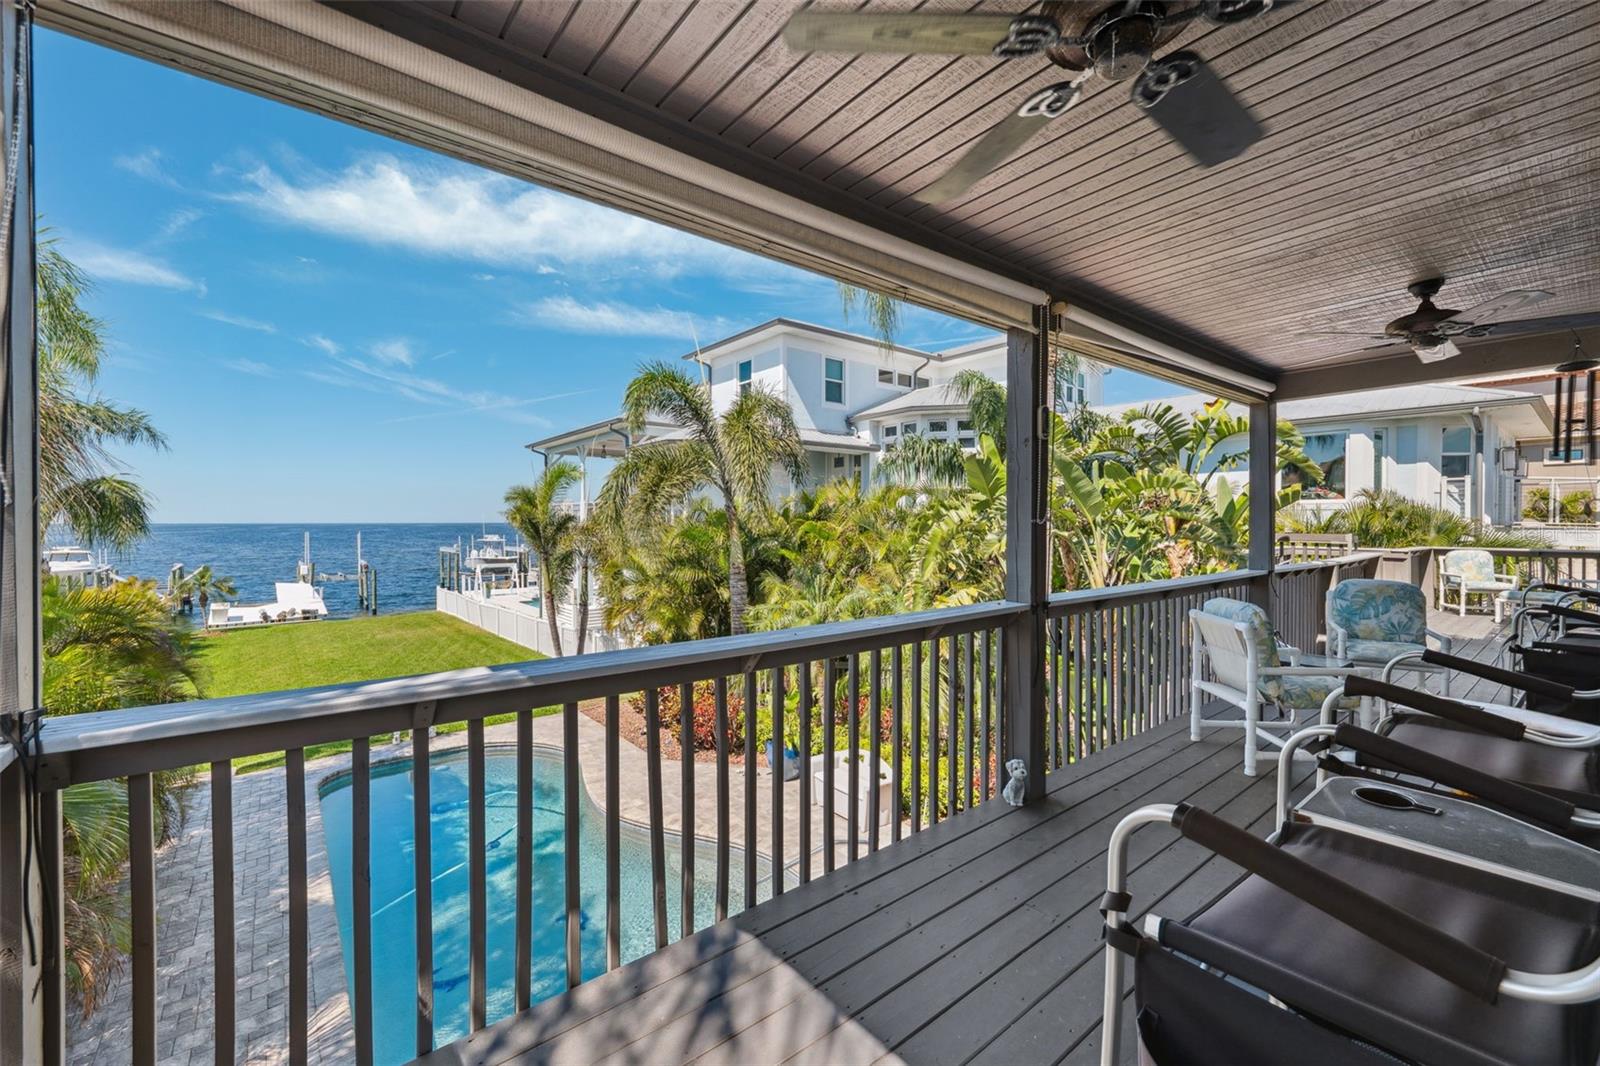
{"type": "Point", "coordinates": [978, 935]}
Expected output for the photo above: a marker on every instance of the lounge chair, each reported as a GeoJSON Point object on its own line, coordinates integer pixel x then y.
{"type": "Point", "coordinates": [1238, 659]}
{"type": "Point", "coordinates": [1470, 572]}
{"type": "Point", "coordinates": [1342, 948]}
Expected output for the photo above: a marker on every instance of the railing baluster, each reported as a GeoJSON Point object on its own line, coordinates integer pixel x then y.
{"type": "Point", "coordinates": [916, 736]}
{"type": "Point", "coordinates": [952, 753]}
{"type": "Point", "coordinates": [749, 789]}
{"type": "Point", "coordinates": [477, 881]}
{"type": "Point", "coordinates": [896, 740]}
{"type": "Point", "coordinates": [222, 948]}
{"type": "Point", "coordinates": [294, 778]}
{"type": "Point", "coordinates": [966, 720]}
{"type": "Point", "coordinates": [614, 836]}
{"type": "Point", "coordinates": [422, 878]}
{"type": "Point", "coordinates": [803, 672]}
{"type": "Point", "coordinates": [523, 954]}
{"type": "Point", "coordinates": [571, 798]}
{"type": "Point", "coordinates": [658, 844]}
{"type": "Point", "coordinates": [719, 692]}
{"type": "Point", "coordinates": [686, 923]}
{"type": "Point", "coordinates": [361, 894]}
{"type": "Point", "coordinates": [1052, 694]}
{"type": "Point", "coordinates": [852, 690]}
{"type": "Point", "coordinates": [775, 679]}
{"type": "Point", "coordinates": [933, 732]}
{"type": "Point", "coordinates": [142, 903]}
{"type": "Point", "coordinates": [874, 727]}
{"type": "Point", "coordinates": [829, 713]}
{"type": "Point", "coordinates": [983, 716]}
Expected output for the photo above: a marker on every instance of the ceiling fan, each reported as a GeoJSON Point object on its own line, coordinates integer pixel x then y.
{"type": "Point", "coordinates": [1429, 330]}
{"type": "Point", "coordinates": [1091, 38]}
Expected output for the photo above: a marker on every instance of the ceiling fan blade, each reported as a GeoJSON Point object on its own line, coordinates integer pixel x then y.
{"type": "Point", "coordinates": [1340, 333]}
{"type": "Point", "coordinates": [1434, 353]}
{"type": "Point", "coordinates": [903, 32]}
{"type": "Point", "coordinates": [1002, 142]}
{"type": "Point", "coordinates": [1501, 306]}
{"type": "Point", "coordinates": [1523, 326]}
{"type": "Point", "coordinates": [1196, 108]}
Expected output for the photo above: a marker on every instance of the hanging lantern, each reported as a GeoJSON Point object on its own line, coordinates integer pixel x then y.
{"type": "Point", "coordinates": [1568, 414]}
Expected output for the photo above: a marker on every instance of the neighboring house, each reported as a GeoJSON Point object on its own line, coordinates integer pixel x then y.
{"type": "Point", "coordinates": [852, 396]}
{"type": "Point", "coordinates": [1452, 446]}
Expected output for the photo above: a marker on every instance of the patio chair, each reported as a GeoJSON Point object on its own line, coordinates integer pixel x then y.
{"type": "Point", "coordinates": [1352, 948]}
{"type": "Point", "coordinates": [1470, 572]}
{"type": "Point", "coordinates": [1535, 696]}
{"type": "Point", "coordinates": [1234, 639]}
{"type": "Point", "coordinates": [1371, 621]}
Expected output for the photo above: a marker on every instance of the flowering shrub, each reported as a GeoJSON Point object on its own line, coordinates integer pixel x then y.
{"type": "Point", "coordinates": [703, 715]}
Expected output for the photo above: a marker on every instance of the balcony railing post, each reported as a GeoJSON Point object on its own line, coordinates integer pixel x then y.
{"type": "Point", "coordinates": [1027, 544]}
{"type": "Point", "coordinates": [1263, 499]}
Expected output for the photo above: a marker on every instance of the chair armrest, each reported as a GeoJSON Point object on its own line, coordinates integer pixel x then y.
{"type": "Point", "coordinates": [1308, 671]}
{"type": "Point", "coordinates": [1453, 710]}
{"type": "Point", "coordinates": [1445, 643]}
{"type": "Point", "coordinates": [1337, 636]}
{"type": "Point", "coordinates": [1290, 652]}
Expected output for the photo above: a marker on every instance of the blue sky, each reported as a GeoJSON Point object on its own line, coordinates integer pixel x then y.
{"type": "Point", "coordinates": [331, 326]}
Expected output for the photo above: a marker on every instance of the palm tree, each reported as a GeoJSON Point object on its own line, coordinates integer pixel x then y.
{"type": "Point", "coordinates": [534, 513]}
{"type": "Point", "coordinates": [203, 584]}
{"type": "Point", "coordinates": [77, 482]}
{"type": "Point", "coordinates": [881, 310]}
{"type": "Point", "coordinates": [731, 454]}
{"type": "Point", "coordinates": [926, 461]}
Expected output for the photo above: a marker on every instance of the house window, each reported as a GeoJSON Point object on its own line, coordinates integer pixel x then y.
{"type": "Point", "coordinates": [1327, 451]}
{"type": "Point", "coordinates": [838, 462]}
{"type": "Point", "coordinates": [964, 425]}
{"type": "Point", "coordinates": [1555, 454]}
{"type": "Point", "coordinates": [889, 432]}
{"type": "Point", "coordinates": [907, 428]}
{"type": "Point", "coordinates": [938, 425]}
{"type": "Point", "coordinates": [919, 382]}
{"type": "Point", "coordinates": [833, 380]}
{"type": "Point", "coordinates": [886, 377]}
{"type": "Point", "coordinates": [1380, 450]}
{"type": "Point", "coordinates": [903, 380]}
{"type": "Point", "coordinates": [744, 378]}
{"type": "Point", "coordinates": [967, 442]}
{"type": "Point", "coordinates": [1455, 452]}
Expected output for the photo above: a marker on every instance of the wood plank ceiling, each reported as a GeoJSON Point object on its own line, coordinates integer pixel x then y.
{"type": "Point", "coordinates": [1406, 139]}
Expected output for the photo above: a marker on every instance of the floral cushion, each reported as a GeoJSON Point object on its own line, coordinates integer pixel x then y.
{"type": "Point", "coordinates": [1367, 609]}
{"type": "Point", "coordinates": [1260, 632]}
{"type": "Point", "coordinates": [1469, 564]}
{"type": "Point", "coordinates": [1379, 651]}
{"type": "Point", "coordinates": [1305, 692]}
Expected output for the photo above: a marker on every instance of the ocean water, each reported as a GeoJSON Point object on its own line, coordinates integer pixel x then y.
{"type": "Point", "coordinates": [406, 557]}
{"type": "Point", "coordinates": [392, 872]}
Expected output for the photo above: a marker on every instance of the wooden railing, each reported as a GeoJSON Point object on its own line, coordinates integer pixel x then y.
{"type": "Point", "coordinates": [918, 696]}
{"type": "Point", "coordinates": [1299, 595]}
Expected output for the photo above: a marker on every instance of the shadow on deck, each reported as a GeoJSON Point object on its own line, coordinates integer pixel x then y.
{"type": "Point", "coordinates": [975, 941]}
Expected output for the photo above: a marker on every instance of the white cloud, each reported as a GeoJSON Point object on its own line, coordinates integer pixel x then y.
{"type": "Point", "coordinates": [240, 321]}
{"type": "Point", "coordinates": [351, 372]}
{"type": "Point", "coordinates": [317, 340]}
{"type": "Point", "coordinates": [396, 351]}
{"type": "Point", "coordinates": [250, 366]}
{"type": "Point", "coordinates": [137, 268]}
{"type": "Point", "coordinates": [483, 277]}
{"type": "Point", "coordinates": [178, 221]}
{"type": "Point", "coordinates": [147, 165]}
{"type": "Point", "coordinates": [462, 213]}
{"type": "Point", "coordinates": [573, 316]}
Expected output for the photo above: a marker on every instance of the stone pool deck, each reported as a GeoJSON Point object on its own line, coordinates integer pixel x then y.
{"type": "Point", "coordinates": [184, 887]}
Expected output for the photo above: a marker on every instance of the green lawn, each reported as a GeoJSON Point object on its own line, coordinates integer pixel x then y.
{"type": "Point", "coordinates": [355, 649]}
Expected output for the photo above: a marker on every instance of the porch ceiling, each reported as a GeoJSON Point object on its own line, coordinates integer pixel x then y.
{"type": "Point", "coordinates": [1405, 140]}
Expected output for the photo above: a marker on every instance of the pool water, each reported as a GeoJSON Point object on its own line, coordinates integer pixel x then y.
{"type": "Point", "coordinates": [394, 897]}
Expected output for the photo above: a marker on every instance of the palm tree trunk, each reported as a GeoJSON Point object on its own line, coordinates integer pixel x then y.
{"type": "Point", "coordinates": [738, 588]}
{"type": "Point", "coordinates": [583, 599]}
{"type": "Point", "coordinates": [547, 602]}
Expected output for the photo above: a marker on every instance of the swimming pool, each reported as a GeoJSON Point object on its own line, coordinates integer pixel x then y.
{"type": "Point", "coordinates": [393, 889]}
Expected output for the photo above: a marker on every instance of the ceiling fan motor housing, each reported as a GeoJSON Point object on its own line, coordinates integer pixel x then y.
{"type": "Point", "coordinates": [1121, 45]}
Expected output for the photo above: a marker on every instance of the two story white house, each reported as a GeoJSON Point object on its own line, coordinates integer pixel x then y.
{"type": "Point", "coordinates": [852, 396]}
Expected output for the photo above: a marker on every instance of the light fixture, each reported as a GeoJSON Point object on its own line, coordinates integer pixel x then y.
{"type": "Point", "coordinates": [1567, 377]}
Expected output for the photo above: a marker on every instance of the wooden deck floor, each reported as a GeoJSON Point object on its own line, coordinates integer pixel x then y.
{"type": "Point", "coordinates": [1475, 637]}
{"type": "Point", "coordinates": [975, 941]}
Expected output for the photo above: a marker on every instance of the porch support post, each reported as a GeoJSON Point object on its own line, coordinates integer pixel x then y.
{"type": "Point", "coordinates": [1027, 544]}
{"type": "Point", "coordinates": [1263, 498]}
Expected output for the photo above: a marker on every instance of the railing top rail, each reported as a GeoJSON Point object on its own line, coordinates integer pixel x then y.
{"type": "Point", "coordinates": [100, 745]}
{"type": "Point", "coordinates": [1085, 599]}
{"type": "Point", "coordinates": [1532, 553]}
{"type": "Point", "coordinates": [1360, 556]}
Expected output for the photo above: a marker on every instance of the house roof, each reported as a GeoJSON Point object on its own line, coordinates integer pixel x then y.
{"type": "Point", "coordinates": [940, 396]}
{"type": "Point", "coordinates": [794, 325]}
{"type": "Point", "coordinates": [605, 439]}
{"type": "Point", "coordinates": [1402, 401]}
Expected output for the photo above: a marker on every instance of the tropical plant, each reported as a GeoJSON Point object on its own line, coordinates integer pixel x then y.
{"type": "Point", "coordinates": [1386, 519]}
{"type": "Point", "coordinates": [203, 584]}
{"type": "Point", "coordinates": [732, 455]}
{"type": "Point", "coordinates": [881, 311]}
{"type": "Point", "coordinates": [918, 460]}
{"type": "Point", "coordinates": [534, 511]}
{"type": "Point", "coordinates": [78, 485]}
{"type": "Point", "coordinates": [1202, 446]}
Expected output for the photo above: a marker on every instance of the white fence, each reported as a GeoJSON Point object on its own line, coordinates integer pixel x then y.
{"type": "Point", "coordinates": [522, 625]}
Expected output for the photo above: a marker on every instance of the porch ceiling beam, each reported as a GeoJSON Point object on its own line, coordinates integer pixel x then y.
{"type": "Point", "coordinates": [1488, 358]}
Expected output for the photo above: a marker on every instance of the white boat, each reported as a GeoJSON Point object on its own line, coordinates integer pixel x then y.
{"type": "Point", "coordinates": [296, 601]}
{"type": "Point", "coordinates": [493, 563]}
{"type": "Point", "coordinates": [77, 565]}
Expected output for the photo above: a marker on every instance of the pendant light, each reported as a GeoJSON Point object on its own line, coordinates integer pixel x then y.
{"type": "Point", "coordinates": [1567, 378]}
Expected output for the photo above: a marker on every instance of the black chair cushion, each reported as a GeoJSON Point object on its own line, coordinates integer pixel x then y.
{"type": "Point", "coordinates": [1531, 928]}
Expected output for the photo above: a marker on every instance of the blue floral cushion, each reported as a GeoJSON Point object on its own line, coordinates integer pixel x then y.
{"type": "Point", "coordinates": [1469, 564]}
{"type": "Point", "coordinates": [1391, 611]}
{"type": "Point", "coordinates": [1260, 632]}
{"type": "Point", "coordinates": [1379, 651]}
{"type": "Point", "coordinates": [1305, 692]}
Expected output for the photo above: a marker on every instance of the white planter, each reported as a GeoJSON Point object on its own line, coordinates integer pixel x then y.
{"type": "Point", "coordinates": [841, 785]}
